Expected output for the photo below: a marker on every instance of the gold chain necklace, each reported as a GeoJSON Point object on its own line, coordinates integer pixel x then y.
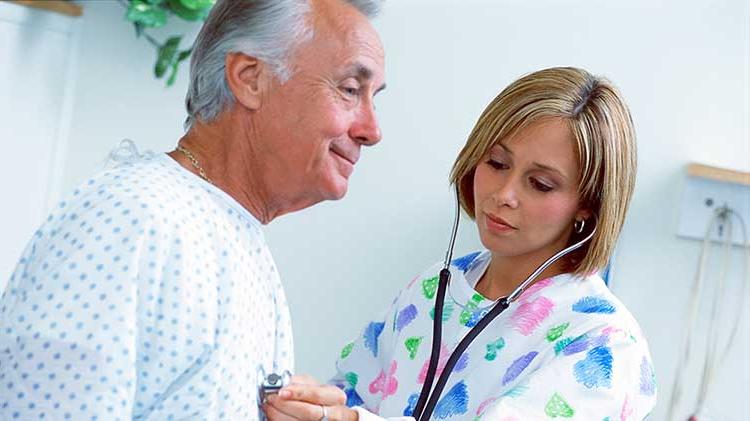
{"type": "Point", "coordinates": [193, 160]}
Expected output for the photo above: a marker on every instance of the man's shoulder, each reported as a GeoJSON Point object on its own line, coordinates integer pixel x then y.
{"type": "Point", "coordinates": [149, 183]}
{"type": "Point", "coordinates": [126, 195]}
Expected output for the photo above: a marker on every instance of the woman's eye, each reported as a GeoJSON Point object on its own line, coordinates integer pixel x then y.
{"type": "Point", "coordinates": [497, 164]}
{"type": "Point", "coordinates": [542, 187]}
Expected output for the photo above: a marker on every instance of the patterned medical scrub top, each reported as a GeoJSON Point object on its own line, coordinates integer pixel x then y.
{"type": "Point", "coordinates": [567, 349]}
{"type": "Point", "coordinates": [147, 294]}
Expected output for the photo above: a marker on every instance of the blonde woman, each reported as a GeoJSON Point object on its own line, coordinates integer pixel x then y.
{"type": "Point", "coordinates": [551, 157]}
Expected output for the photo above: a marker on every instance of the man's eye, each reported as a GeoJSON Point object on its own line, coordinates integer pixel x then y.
{"type": "Point", "coordinates": [350, 91]}
{"type": "Point", "coordinates": [497, 165]}
{"type": "Point", "coordinates": [542, 187]}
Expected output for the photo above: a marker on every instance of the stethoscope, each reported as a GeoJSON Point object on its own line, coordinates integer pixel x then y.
{"type": "Point", "coordinates": [427, 401]}
{"type": "Point", "coordinates": [272, 383]}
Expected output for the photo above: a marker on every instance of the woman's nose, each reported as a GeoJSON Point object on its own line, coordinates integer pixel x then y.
{"type": "Point", "coordinates": [506, 194]}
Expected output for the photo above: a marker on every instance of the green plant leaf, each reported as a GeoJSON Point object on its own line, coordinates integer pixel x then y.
{"type": "Point", "coordinates": [180, 57]}
{"type": "Point", "coordinates": [180, 10]}
{"type": "Point", "coordinates": [152, 16]}
{"type": "Point", "coordinates": [176, 65]}
{"type": "Point", "coordinates": [166, 56]}
{"type": "Point", "coordinates": [198, 4]}
{"type": "Point", "coordinates": [173, 74]}
{"type": "Point", "coordinates": [138, 29]}
{"type": "Point", "coordinates": [184, 54]}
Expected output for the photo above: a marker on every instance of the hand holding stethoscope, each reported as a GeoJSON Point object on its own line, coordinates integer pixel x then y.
{"type": "Point", "coordinates": [288, 397]}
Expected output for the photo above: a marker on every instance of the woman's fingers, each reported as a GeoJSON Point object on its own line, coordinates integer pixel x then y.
{"type": "Point", "coordinates": [304, 399]}
{"type": "Point", "coordinates": [279, 409]}
{"type": "Point", "coordinates": [342, 413]}
{"type": "Point", "coordinates": [321, 395]}
{"type": "Point", "coordinates": [274, 414]}
{"type": "Point", "coordinates": [294, 409]}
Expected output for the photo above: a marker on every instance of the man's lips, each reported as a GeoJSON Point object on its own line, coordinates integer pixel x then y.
{"type": "Point", "coordinates": [352, 158]}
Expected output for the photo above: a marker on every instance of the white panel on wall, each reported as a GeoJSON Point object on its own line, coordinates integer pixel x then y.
{"type": "Point", "coordinates": [37, 64]}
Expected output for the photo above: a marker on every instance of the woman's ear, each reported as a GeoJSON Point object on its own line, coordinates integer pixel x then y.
{"type": "Point", "coordinates": [583, 214]}
{"type": "Point", "coordinates": [247, 78]}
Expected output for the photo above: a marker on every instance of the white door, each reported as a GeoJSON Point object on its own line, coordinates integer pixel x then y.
{"type": "Point", "coordinates": [37, 73]}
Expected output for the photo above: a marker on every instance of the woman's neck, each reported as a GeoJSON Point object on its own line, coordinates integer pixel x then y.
{"type": "Point", "coordinates": [504, 274]}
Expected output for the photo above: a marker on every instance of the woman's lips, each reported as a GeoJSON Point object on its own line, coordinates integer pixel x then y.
{"type": "Point", "coordinates": [497, 224]}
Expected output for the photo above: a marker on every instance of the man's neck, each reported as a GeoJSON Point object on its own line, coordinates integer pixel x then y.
{"type": "Point", "coordinates": [227, 162]}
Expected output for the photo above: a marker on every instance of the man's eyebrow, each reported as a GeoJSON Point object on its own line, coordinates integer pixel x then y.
{"type": "Point", "coordinates": [364, 73]}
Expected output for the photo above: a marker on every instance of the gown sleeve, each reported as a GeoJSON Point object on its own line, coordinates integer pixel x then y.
{"type": "Point", "coordinates": [68, 345]}
{"type": "Point", "coordinates": [370, 356]}
{"type": "Point", "coordinates": [367, 357]}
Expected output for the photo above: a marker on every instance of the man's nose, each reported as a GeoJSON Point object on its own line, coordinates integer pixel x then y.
{"type": "Point", "coordinates": [365, 128]}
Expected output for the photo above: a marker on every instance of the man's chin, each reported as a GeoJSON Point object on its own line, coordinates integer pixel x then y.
{"type": "Point", "coordinates": [337, 189]}
{"type": "Point", "coordinates": [339, 193]}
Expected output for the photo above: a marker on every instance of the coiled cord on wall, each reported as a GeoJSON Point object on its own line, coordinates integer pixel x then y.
{"type": "Point", "coordinates": [723, 217]}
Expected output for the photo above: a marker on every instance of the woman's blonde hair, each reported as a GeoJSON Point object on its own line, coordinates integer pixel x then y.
{"type": "Point", "coordinates": [605, 144]}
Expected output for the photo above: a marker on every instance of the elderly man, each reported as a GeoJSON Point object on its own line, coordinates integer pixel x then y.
{"type": "Point", "coordinates": [150, 293]}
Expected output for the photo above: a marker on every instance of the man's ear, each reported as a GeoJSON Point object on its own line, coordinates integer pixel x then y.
{"type": "Point", "coordinates": [247, 78]}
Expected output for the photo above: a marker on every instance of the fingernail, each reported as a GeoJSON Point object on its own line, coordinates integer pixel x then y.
{"type": "Point", "coordinates": [285, 394]}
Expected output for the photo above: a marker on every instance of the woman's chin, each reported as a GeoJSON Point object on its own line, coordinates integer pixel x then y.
{"type": "Point", "coordinates": [500, 247]}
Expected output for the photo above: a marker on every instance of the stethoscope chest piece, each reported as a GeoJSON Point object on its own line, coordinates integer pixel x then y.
{"type": "Point", "coordinates": [271, 384]}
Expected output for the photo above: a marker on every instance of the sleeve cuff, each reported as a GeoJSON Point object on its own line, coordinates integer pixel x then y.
{"type": "Point", "coordinates": [365, 415]}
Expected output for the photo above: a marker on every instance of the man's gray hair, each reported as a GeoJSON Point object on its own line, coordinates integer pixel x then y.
{"type": "Point", "coordinates": [267, 29]}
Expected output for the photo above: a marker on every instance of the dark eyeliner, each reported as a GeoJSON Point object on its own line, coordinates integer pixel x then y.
{"type": "Point", "coordinates": [539, 186]}
{"type": "Point", "coordinates": [495, 164]}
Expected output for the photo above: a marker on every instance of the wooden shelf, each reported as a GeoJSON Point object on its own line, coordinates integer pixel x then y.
{"type": "Point", "coordinates": [57, 6]}
{"type": "Point", "coordinates": [719, 174]}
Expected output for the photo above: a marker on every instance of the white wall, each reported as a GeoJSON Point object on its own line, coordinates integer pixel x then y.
{"type": "Point", "coordinates": [682, 65]}
{"type": "Point", "coordinates": [117, 96]}
{"type": "Point", "coordinates": [35, 111]}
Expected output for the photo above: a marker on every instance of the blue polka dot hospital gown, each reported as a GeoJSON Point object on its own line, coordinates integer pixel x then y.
{"type": "Point", "coordinates": [147, 294]}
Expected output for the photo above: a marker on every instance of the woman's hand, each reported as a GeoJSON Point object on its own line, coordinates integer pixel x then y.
{"type": "Point", "coordinates": [304, 400]}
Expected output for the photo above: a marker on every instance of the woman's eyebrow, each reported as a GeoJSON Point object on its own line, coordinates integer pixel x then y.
{"type": "Point", "coordinates": [536, 164]}
{"type": "Point", "coordinates": [549, 168]}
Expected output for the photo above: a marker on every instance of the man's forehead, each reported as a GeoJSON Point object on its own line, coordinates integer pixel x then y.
{"type": "Point", "coordinates": [346, 38]}
{"type": "Point", "coordinates": [345, 24]}
{"type": "Point", "coordinates": [360, 39]}
{"type": "Point", "coordinates": [361, 55]}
